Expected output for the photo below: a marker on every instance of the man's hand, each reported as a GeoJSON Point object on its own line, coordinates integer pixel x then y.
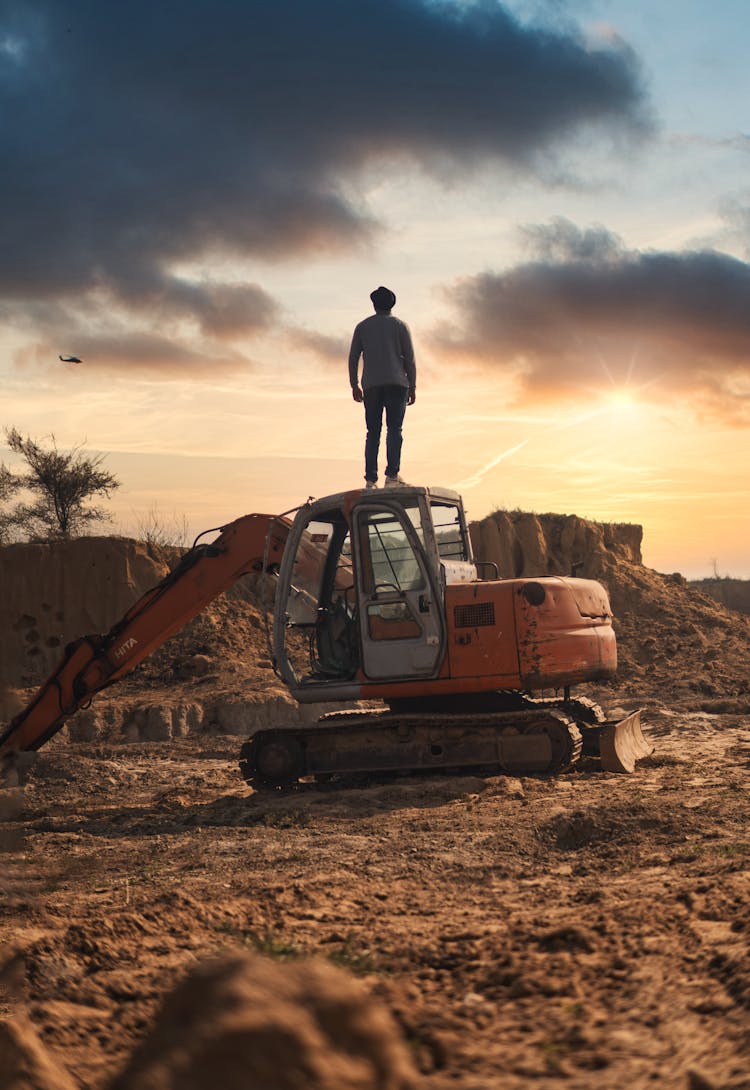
{"type": "Point", "coordinates": [357, 393]}
{"type": "Point", "coordinates": [412, 397]}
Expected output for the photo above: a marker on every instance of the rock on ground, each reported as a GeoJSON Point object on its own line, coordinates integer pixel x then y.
{"type": "Point", "coordinates": [246, 1023]}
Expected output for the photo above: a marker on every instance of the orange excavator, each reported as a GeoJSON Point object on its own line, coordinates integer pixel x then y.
{"type": "Point", "coordinates": [378, 598]}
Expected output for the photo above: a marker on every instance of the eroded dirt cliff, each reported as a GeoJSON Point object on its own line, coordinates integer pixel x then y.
{"type": "Point", "coordinates": [53, 593]}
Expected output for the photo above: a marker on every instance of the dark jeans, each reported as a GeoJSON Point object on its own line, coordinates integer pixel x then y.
{"type": "Point", "coordinates": [393, 400]}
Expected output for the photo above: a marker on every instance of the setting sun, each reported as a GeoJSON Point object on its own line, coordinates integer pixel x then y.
{"type": "Point", "coordinates": [622, 401]}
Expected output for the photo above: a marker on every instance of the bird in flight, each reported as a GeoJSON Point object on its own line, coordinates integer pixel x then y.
{"type": "Point", "coordinates": [70, 359]}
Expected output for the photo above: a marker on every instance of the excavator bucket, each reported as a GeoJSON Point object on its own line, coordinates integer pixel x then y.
{"type": "Point", "coordinates": [622, 743]}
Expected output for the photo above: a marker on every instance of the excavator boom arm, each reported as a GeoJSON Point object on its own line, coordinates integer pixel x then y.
{"type": "Point", "coordinates": [92, 663]}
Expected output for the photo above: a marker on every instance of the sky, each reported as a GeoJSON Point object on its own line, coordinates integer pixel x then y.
{"type": "Point", "coordinates": [198, 199]}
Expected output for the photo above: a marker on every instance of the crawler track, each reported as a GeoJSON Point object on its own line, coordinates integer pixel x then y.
{"type": "Point", "coordinates": [529, 740]}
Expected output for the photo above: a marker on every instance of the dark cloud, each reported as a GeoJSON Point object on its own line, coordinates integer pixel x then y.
{"type": "Point", "coordinates": [224, 311]}
{"type": "Point", "coordinates": [145, 353]}
{"type": "Point", "coordinates": [736, 215]}
{"type": "Point", "coordinates": [329, 350]}
{"type": "Point", "coordinates": [561, 241]}
{"type": "Point", "coordinates": [140, 136]}
{"type": "Point", "coordinates": [588, 314]}
{"type": "Point", "coordinates": [180, 326]}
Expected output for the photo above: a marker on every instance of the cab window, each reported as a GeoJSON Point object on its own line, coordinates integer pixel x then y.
{"type": "Point", "coordinates": [390, 560]}
{"type": "Point", "coordinates": [449, 533]}
{"type": "Point", "coordinates": [320, 634]}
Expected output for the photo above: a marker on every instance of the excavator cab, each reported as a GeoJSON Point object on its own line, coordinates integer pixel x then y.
{"type": "Point", "coordinates": [362, 587]}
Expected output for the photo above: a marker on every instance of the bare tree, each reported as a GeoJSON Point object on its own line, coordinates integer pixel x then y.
{"type": "Point", "coordinates": [160, 531]}
{"type": "Point", "coordinates": [60, 484]}
{"type": "Point", "coordinates": [9, 485]}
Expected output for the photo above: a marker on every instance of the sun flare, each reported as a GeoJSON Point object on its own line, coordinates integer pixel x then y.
{"type": "Point", "coordinates": [622, 401]}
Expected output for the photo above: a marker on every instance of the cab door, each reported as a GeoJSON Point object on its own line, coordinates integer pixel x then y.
{"type": "Point", "coordinates": [402, 629]}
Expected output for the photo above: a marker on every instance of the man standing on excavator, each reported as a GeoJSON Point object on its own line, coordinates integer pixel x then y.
{"type": "Point", "coordinates": [389, 381]}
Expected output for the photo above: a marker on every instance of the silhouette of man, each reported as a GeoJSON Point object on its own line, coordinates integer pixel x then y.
{"type": "Point", "coordinates": [389, 382]}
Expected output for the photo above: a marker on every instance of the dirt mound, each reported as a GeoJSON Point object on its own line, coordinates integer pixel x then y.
{"type": "Point", "coordinates": [732, 593]}
{"type": "Point", "coordinates": [668, 632]}
{"type": "Point", "coordinates": [25, 1064]}
{"type": "Point", "coordinates": [244, 1023]}
{"type": "Point", "coordinates": [523, 544]}
{"type": "Point", "coordinates": [56, 592]}
{"type": "Point", "coordinates": [215, 674]}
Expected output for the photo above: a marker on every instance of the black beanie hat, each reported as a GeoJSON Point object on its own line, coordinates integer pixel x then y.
{"type": "Point", "coordinates": [383, 298]}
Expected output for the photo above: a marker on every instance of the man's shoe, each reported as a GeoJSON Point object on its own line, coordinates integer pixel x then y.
{"type": "Point", "coordinates": [392, 482]}
{"type": "Point", "coordinates": [370, 484]}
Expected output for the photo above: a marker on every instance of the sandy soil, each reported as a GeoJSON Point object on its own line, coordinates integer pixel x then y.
{"type": "Point", "coordinates": [590, 929]}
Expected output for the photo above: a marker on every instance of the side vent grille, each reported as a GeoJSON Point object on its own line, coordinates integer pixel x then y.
{"type": "Point", "coordinates": [476, 615]}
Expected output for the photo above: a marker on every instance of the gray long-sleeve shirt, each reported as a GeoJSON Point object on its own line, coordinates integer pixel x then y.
{"type": "Point", "coordinates": [384, 342]}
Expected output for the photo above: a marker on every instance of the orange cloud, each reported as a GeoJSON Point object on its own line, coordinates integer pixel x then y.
{"type": "Point", "coordinates": [589, 315]}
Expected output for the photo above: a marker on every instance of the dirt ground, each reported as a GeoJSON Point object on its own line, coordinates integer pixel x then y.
{"type": "Point", "coordinates": [589, 930]}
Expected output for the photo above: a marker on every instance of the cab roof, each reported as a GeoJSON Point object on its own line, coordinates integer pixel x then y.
{"type": "Point", "coordinates": [401, 492]}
